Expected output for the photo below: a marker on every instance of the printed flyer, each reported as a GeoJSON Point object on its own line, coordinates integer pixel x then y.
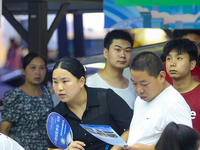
{"type": "Point", "coordinates": [104, 133]}
{"type": "Point", "coordinates": [59, 130]}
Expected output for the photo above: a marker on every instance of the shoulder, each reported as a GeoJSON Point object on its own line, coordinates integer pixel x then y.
{"type": "Point", "coordinates": [174, 100]}
{"type": "Point", "coordinates": [12, 94]}
{"type": "Point", "coordinates": [93, 91]}
{"type": "Point", "coordinates": [196, 69]}
{"type": "Point", "coordinates": [13, 99]}
{"type": "Point", "coordinates": [172, 95]}
{"type": "Point", "coordinates": [94, 76]}
{"type": "Point", "coordinates": [44, 88]}
{"type": "Point", "coordinates": [91, 79]}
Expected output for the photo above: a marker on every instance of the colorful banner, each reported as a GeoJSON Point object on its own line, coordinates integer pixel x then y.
{"type": "Point", "coordinates": [164, 17]}
{"type": "Point", "coordinates": [157, 3]}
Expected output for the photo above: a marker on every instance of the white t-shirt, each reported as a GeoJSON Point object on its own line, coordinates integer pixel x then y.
{"type": "Point", "coordinates": [128, 94]}
{"type": "Point", "coordinates": [150, 118]}
{"type": "Point", "coordinates": [6, 143]}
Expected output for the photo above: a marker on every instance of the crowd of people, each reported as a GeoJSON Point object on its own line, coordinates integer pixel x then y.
{"type": "Point", "coordinates": [156, 109]}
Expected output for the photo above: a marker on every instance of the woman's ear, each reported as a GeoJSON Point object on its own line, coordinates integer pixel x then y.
{"type": "Point", "coordinates": [82, 81]}
{"type": "Point", "coordinates": [23, 71]}
{"type": "Point", "coordinates": [192, 64]}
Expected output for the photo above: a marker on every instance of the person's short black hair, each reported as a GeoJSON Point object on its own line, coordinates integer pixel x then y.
{"type": "Point", "coordinates": [181, 45]}
{"type": "Point", "coordinates": [181, 33]}
{"type": "Point", "coordinates": [117, 34]}
{"type": "Point", "coordinates": [178, 137]}
{"type": "Point", "coordinates": [29, 57]}
{"type": "Point", "coordinates": [72, 65]}
{"type": "Point", "coordinates": [149, 62]}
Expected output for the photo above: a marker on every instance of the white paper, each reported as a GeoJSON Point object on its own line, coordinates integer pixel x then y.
{"type": "Point", "coordinates": [105, 133]}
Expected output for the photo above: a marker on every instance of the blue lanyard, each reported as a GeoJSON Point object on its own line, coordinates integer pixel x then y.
{"type": "Point", "coordinates": [107, 146]}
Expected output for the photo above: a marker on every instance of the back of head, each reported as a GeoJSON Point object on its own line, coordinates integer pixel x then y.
{"type": "Point", "coordinates": [181, 45]}
{"type": "Point", "coordinates": [117, 34]}
{"type": "Point", "coordinates": [29, 57]}
{"type": "Point", "coordinates": [181, 33]}
{"type": "Point", "coordinates": [72, 65]}
{"type": "Point", "coordinates": [149, 62]}
{"type": "Point", "coordinates": [178, 137]}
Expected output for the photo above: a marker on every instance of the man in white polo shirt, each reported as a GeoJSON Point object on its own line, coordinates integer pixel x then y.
{"type": "Point", "coordinates": [157, 104]}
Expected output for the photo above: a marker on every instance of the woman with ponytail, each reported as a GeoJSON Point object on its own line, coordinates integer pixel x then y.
{"type": "Point", "coordinates": [178, 137]}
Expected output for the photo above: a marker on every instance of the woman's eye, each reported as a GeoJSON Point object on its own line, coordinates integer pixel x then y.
{"type": "Point", "coordinates": [54, 82]}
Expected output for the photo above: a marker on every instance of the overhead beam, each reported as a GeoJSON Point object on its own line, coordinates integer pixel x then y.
{"type": "Point", "coordinates": [57, 20]}
{"type": "Point", "coordinates": [38, 27]}
{"type": "Point", "coordinates": [96, 2]}
{"type": "Point", "coordinates": [18, 27]}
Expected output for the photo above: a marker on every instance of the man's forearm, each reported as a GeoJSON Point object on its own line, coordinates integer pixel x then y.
{"type": "Point", "coordinates": [124, 136]}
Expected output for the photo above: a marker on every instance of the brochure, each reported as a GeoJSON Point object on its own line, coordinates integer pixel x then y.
{"type": "Point", "coordinates": [6, 143]}
{"type": "Point", "coordinates": [59, 130]}
{"type": "Point", "coordinates": [105, 133]}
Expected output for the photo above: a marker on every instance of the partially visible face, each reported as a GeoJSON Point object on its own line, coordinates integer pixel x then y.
{"type": "Point", "coordinates": [196, 39]}
{"type": "Point", "coordinates": [178, 65]}
{"type": "Point", "coordinates": [66, 86]}
{"type": "Point", "coordinates": [119, 54]}
{"type": "Point", "coordinates": [147, 87]}
{"type": "Point", "coordinates": [35, 71]}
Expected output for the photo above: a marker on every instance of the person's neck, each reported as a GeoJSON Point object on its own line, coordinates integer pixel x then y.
{"type": "Point", "coordinates": [184, 85]}
{"type": "Point", "coordinates": [111, 73]}
{"type": "Point", "coordinates": [32, 89]}
{"type": "Point", "coordinates": [114, 77]}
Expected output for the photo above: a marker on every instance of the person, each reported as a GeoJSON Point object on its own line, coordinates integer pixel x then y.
{"type": "Point", "coordinates": [157, 104]}
{"type": "Point", "coordinates": [26, 108]}
{"type": "Point", "coordinates": [178, 137]}
{"type": "Point", "coordinates": [14, 57]}
{"type": "Point", "coordinates": [118, 46]}
{"type": "Point", "coordinates": [85, 105]}
{"type": "Point", "coordinates": [181, 56]}
{"type": "Point", "coordinates": [8, 143]}
{"type": "Point", "coordinates": [194, 36]}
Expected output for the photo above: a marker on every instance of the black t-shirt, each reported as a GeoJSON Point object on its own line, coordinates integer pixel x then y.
{"type": "Point", "coordinates": [104, 107]}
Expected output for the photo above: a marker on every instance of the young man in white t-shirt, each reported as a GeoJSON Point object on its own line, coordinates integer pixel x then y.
{"type": "Point", "coordinates": [157, 104]}
{"type": "Point", "coordinates": [118, 46]}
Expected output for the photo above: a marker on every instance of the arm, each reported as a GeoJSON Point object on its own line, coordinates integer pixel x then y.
{"type": "Point", "coordinates": [76, 145]}
{"type": "Point", "coordinates": [5, 127]}
{"type": "Point", "coordinates": [139, 146]}
{"type": "Point", "coordinates": [124, 136]}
